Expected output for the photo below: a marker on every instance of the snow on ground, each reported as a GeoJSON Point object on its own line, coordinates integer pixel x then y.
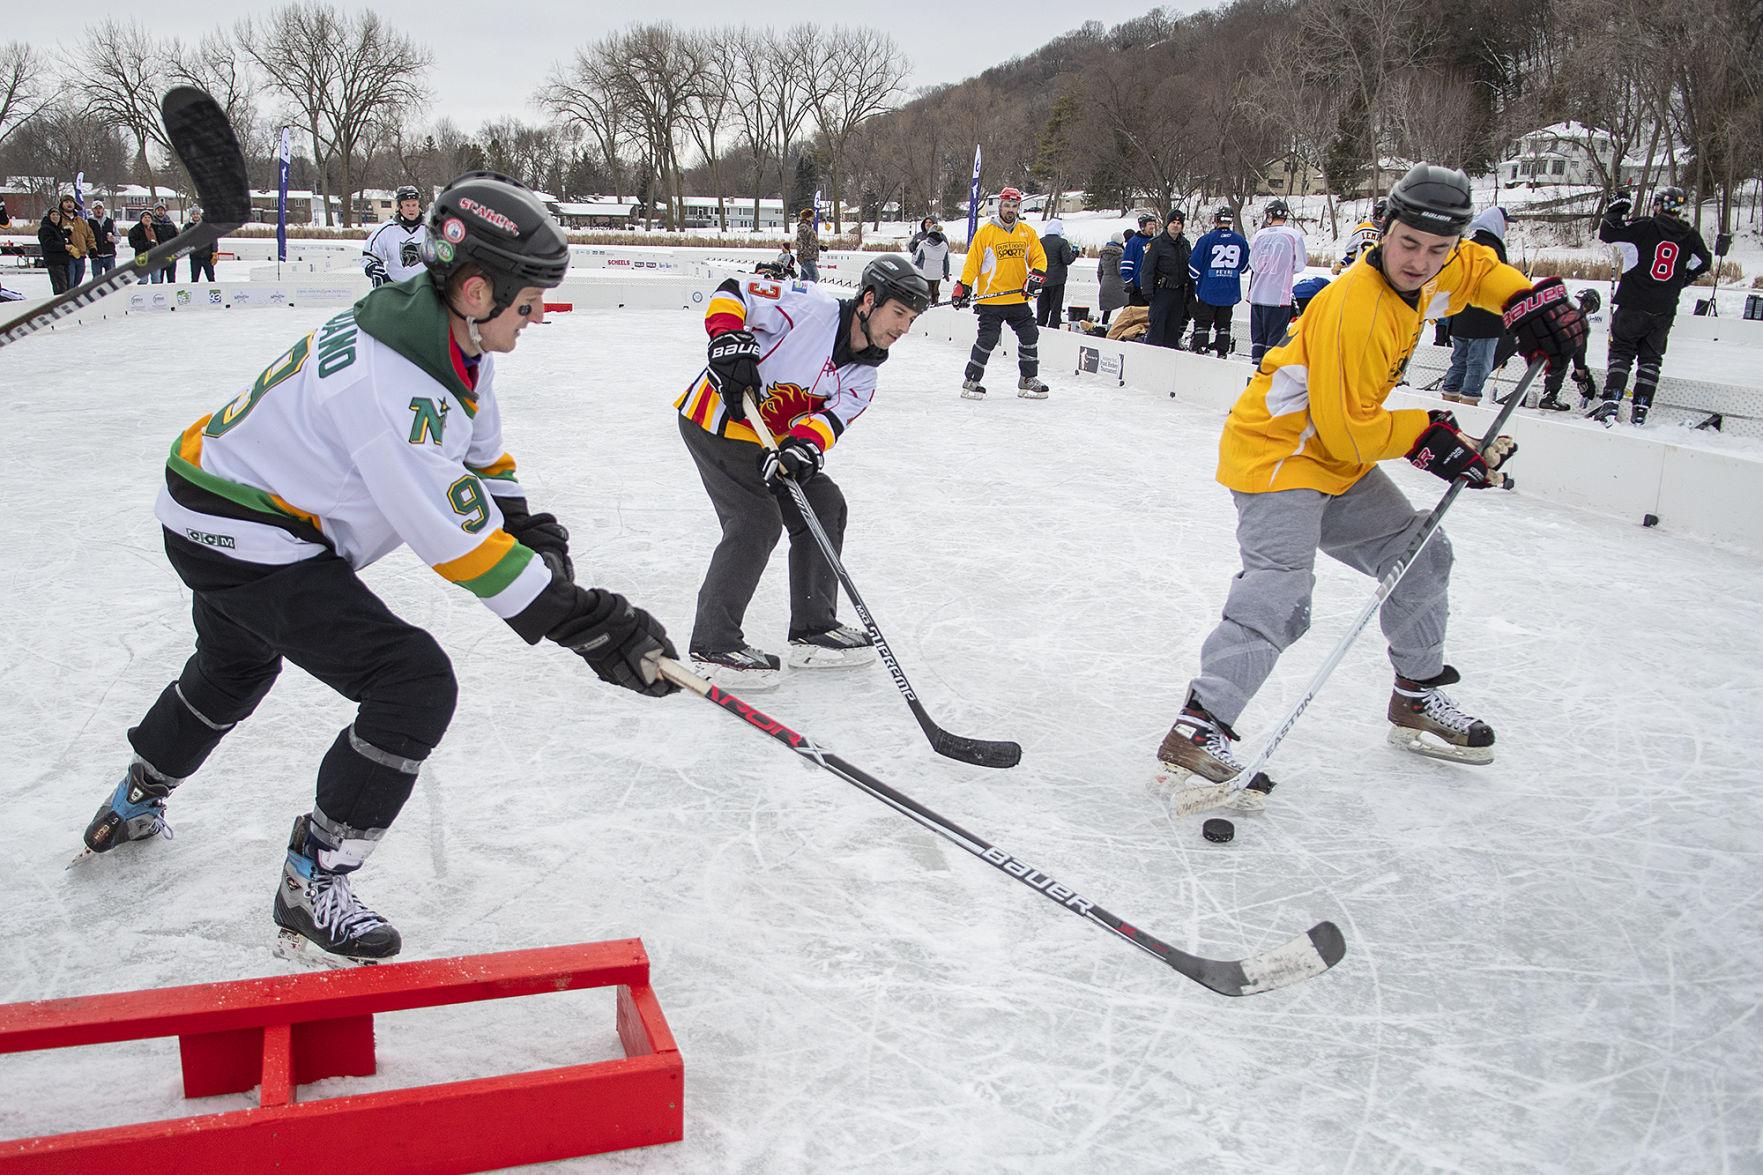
{"type": "Point", "coordinates": [1553, 962]}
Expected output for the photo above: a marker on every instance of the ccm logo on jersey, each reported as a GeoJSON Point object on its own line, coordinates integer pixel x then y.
{"type": "Point", "coordinates": [488, 215]}
{"type": "Point", "coordinates": [210, 540]}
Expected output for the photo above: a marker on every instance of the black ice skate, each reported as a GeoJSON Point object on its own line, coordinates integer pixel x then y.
{"type": "Point", "coordinates": [1195, 758]}
{"type": "Point", "coordinates": [314, 907]}
{"type": "Point", "coordinates": [1552, 403]}
{"type": "Point", "coordinates": [743, 669]}
{"type": "Point", "coordinates": [1427, 722]}
{"type": "Point", "coordinates": [972, 389]}
{"type": "Point", "coordinates": [134, 811]}
{"type": "Point", "coordinates": [1030, 387]}
{"type": "Point", "coordinates": [833, 648]}
{"type": "Point", "coordinates": [1639, 407]}
{"type": "Point", "coordinates": [1605, 412]}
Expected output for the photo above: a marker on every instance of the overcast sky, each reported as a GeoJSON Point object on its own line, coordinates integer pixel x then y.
{"type": "Point", "coordinates": [490, 57]}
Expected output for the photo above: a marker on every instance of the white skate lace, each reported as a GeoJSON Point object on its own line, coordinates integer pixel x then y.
{"type": "Point", "coordinates": [1215, 743]}
{"type": "Point", "coordinates": [1442, 710]}
{"type": "Point", "coordinates": [335, 908]}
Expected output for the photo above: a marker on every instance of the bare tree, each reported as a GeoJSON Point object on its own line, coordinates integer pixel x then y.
{"type": "Point", "coordinates": [24, 86]}
{"type": "Point", "coordinates": [582, 92]}
{"type": "Point", "coordinates": [798, 79]}
{"type": "Point", "coordinates": [755, 65]}
{"type": "Point", "coordinates": [862, 71]}
{"type": "Point", "coordinates": [124, 72]}
{"type": "Point", "coordinates": [1360, 45]}
{"type": "Point", "coordinates": [376, 70]}
{"type": "Point", "coordinates": [220, 66]}
{"type": "Point", "coordinates": [286, 48]}
{"type": "Point", "coordinates": [709, 112]}
{"type": "Point", "coordinates": [658, 76]}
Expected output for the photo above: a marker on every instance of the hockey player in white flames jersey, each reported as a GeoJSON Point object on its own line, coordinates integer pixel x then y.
{"type": "Point", "coordinates": [810, 361]}
{"type": "Point", "coordinates": [394, 250]}
{"type": "Point", "coordinates": [381, 429]}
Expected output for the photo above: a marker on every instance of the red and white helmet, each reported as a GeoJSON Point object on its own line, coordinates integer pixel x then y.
{"type": "Point", "coordinates": [1010, 194]}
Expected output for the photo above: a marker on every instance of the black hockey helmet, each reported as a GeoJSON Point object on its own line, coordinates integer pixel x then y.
{"type": "Point", "coordinates": [1589, 302]}
{"type": "Point", "coordinates": [1224, 215]}
{"type": "Point", "coordinates": [1670, 201]}
{"type": "Point", "coordinates": [496, 223]}
{"type": "Point", "coordinates": [1432, 199]}
{"type": "Point", "coordinates": [1278, 209]}
{"type": "Point", "coordinates": [406, 192]}
{"type": "Point", "coordinates": [1380, 208]}
{"type": "Point", "coordinates": [892, 276]}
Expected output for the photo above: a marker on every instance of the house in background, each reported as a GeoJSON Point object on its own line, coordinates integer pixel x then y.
{"type": "Point", "coordinates": [1568, 154]}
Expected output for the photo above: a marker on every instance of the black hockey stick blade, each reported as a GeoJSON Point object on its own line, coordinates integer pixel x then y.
{"type": "Point", "coordinates": [1301, 958]}
{"type": "Point", "coordinates": [204, 141]}
{"type": "Point", "coordinates": [981, 752]}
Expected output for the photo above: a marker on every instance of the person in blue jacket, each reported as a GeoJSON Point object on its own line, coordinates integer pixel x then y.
{"type": "Point", "coordinates": [1216, 267]}
{"type": "Point", "coordinates": [1133, 255]}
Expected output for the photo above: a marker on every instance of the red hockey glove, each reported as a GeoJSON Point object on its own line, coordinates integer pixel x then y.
{"type": "Point", "coordinates": [1447, 453]}
{"type": "Point", "coordinates": [1033, 283]}
{"type": "Point", "coordinates": [960, 296]}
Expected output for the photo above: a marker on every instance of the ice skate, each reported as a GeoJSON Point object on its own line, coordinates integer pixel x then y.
{"type": "Point", "coordinates": [1639, 407]}
{"type": "Point", "coordinates": [134, 811]}
{"type": "Point", "coordinates": [834, 648]}
{"type": "Point", "coordinates": [321, 922]}
{"type": "Point", "coordinates": [972, 389]}
{"type": "Point", "coordinates": [742, 670]}
{"type": "Point", "coordinates": [1424, 720]}
{"type": "Point", "coordinates": [1195, 766]}
{"type": "Point", "coordinates": [1030, 387]}
{"type": "Point", "coordinates": [1552, 403]}
{"type": "Point", "coordinates": [1605, 412]}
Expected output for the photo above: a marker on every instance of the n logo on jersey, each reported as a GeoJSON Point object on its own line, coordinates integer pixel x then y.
{"type": "Point", "coordinates": [430, 422]}
{"type": "Point", "coordinates": [409, 255]}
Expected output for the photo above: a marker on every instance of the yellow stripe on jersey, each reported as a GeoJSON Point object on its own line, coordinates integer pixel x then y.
{"type": "Point", "coordinates": [723, 302]}
{"type": "Point", "coordinates": [478, 562]}
{"type": "Point", "coordinates": [190, 444]}
{"type": "Point", "coordinates": [501, 469]}
{"type": "Point", "coordinates": [819, 428]}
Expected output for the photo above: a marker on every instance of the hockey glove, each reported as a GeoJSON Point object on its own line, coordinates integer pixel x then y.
{"type": "Point", "coordinates": [1618, 208]}
{"type": "Point", "coordinates": [1034, 282]}
{"type": "Point", "coordinates": [1545, 322]}
{"type": "Point", "coordinates": [540, 532]}
{"type": "Point", "coordinates": [960, 297]}
{"type": "Point", "coordinates": [621, 643]}
{"type": "Point", "coordinates": [376, 272]}
{"type": "Point", "coordinates": [795, 457]}
{"type": "Point", "coordinates": [734, 369]}
{"type": "Point", "coordinates": [1445, 452]}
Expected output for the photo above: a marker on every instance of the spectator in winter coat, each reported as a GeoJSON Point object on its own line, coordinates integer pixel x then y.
{"type": "Point", "coordinates": [1050, 306]}
{"type": "Point", "coordinates": [80, 240]}
{"type": "Point", "coordinates": [1132, 256]}
{"type": "Point", "coordinates": [1216, 269]}
{"type": "Point", "coordinates": [53, 235]}
{"type": "Point", "coordinates": [201, 260]}
{"type": "Point", "coordinates": [164, 229]}
{"type": "Point", "coordinates": [931, 258]}
{"type": "Point", "coordinates": [924, 227]}
{"type": "Point", "coordinates": [104, 233]}
{"type": "Point", "coordinates": [1111, 292]}
{"type": "Point", "coordinates": [1476, 333]}
{"type": "Point", "coordinates": [808, 246]}
{"type": "Point", "coordinates": [1164, 283]}
{"type": "Point", "coordinates": [1277, 255]}
{"type": "Point", "coordinates": [5, 216]}
{"type": "Point", "coordinates": [141, 240]}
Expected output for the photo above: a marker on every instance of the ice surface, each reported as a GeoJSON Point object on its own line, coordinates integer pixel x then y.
{"type": "Point", "coordinates": [1553, 962]}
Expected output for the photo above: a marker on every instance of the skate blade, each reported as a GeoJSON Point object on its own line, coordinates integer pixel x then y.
{"type": "Point", "coordinates": [1028, 395]}
{"type": "Point", "coordinates": [1420, 742]}
{"type": "Point", "coordinates": [815, 657]}
{"type": "Point", "coordinates": [303, 952]}
{"type": "Point", "coordinates": [966, 395]}
{"type": "Point", "coordinates": [80, 858]}
{"type": "Point", "coordinates": [739, 681]}
{"type": "Point", "coordinates": [1170, 784]}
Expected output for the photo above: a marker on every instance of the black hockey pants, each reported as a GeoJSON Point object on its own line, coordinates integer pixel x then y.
{"type": "Point", "coordinates": [991, 327]}
{"type": "Point", "coordinates": [1208, 317]}
{"type": "Point", "coordinates": [318, 614]}
{"type": "Point", "coordinates": [1637, 339]}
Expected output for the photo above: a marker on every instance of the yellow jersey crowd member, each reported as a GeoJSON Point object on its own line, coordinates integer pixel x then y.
{"type": "Point", "coordinates": [1005, 265]}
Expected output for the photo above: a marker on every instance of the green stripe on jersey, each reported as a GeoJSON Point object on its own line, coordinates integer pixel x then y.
{"type": "Point", "coordinates": [232, 491]}
{"type": "Point", "coordinates": [505, 571]}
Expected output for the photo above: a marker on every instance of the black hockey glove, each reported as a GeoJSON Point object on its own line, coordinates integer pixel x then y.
{"type": "Point", "coordinates": [541, 532]}
{"type": "Point", "coordinates": [960, 296]}
{"type": "Point", "coordinates": [1618, 208]}
{"type": "Point", "coordinates": [1447, 453]}
{"type": "Point", "coordinates": [1033, 283]}
{"type": "Point", "coordinates": [376, 272]}
{"type": "Point", "coordinates": [794, 458]}
{"type": "Point", "coordinates": [734, 370]}
{"type": "Point", "coordinates": [1545, 323]}
{"type": "Point", "coordinates": [621, 643]}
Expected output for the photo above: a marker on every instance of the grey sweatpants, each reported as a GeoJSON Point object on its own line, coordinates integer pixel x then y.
{"type": "Point", "coordinates": [752, 517]}
{"type": "Point", "coordinates": [1367, 528]}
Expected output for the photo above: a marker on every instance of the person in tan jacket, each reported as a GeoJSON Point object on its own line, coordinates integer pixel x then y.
{"type": "Point", "coordinates": [80, 240]}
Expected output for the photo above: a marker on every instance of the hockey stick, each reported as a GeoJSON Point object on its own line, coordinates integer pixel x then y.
{"type": "Point", "coordinates": [205, 144]}
{"type": "Point", "coordinates": [1305, 956]}
{"type": "Point", "coordinates": [978, 751]}
{"type": "Point", "coordinates": [1200, 799]}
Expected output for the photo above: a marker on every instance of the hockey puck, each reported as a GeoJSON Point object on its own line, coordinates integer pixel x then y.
{"type": "Point", "coordinates": [1218, 830]}
{"type": "Point", "coordinates": [1649, 520]}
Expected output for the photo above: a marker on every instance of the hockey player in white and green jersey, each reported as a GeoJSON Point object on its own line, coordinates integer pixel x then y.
{"type": "Point", "coordinates": [379, 430]}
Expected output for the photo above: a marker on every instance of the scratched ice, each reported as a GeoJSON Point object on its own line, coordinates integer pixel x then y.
{"type": "Point", "coordinates": [1552, 962]}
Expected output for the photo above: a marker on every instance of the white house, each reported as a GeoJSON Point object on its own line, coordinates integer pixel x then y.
{"type": "Point", "coordinates": [1567, 153]}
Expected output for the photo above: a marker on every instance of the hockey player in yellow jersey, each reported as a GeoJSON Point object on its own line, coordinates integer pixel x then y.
{"type": "Point", "coordinates": [1005, 267]}
{"type": "Point", "coordinates": [1300, 454]}
{"type": "Point", "coordinates": [1365, 235]}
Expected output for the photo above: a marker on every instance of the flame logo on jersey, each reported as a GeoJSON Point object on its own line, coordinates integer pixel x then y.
{"type": "Point", "coordinates": [785, 404]}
